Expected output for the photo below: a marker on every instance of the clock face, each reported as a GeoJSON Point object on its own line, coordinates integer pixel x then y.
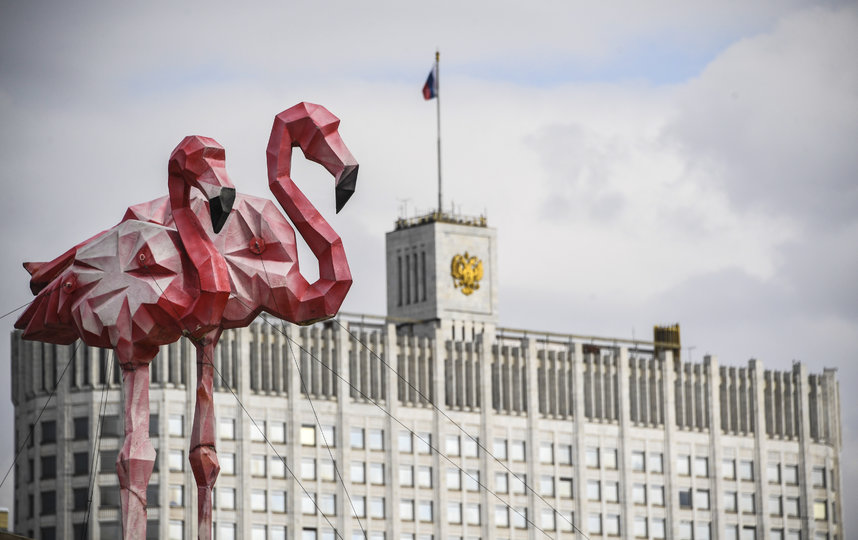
{"type": "Point", "coordinates": [467, 271]}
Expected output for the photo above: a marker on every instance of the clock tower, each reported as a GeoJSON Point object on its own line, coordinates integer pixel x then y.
{"type": "Point", "coordinates": [442, 270]}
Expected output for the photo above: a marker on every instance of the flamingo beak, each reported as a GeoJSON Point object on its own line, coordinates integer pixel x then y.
{"type": "Point", "coordinates": [220, 207]}
{"type": "Point", "coordinates": [346, 185]}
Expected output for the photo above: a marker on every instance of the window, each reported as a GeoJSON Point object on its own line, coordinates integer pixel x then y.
{"type": "Point", "coordinates": [326, 470]}
{"type": "Point", "coordinates": [107, 460]}
{"type": "Point", "coordinates": [424, 476]}
{"type": "Point", "coordinates": [639, 464]}
{"type": "Point", "coordinates": [176, 530]}
{"type": "Point", "coordinates": [746, 503]}
{"type": "Point", "coordinates": [454, 479]}
{"type": "Point", "coordinates": [472, 514]}
{"type": "Point", "coordinates": [731, 532]}
{"type": "Point", "coordinates": [656, 462]}
{"type": "Point", "coordinates": [776, 534]}
{"type": "Point", "coordinates": [257, 465]}
{"type": "Point", "coordinates": [501, 516]}
{"type": "Point", "coordinates": [499, 449]}
{"type": "Point", "coordinates": [376, 507]}
{"type": "Point", "coordinates": [640, 527]}
{"type": "Point", "coordinates": [564, 454]}
{"type": "Point", "coordinates": [423, 443]}
{"type": "Point", "coordinates": [773, 473]}
{"type": "Point", "coordinates": [657, 527]}
{"type": "Point", "coordinates": [594, 492]}
{"type": "Point", "coordinates": [609, 458]}
{"type": "Point", "coordinates": [308, 534]}
{"type": "Point", "coordinates": [327, 504]}
{"type": "Point", "coordinates": [278, 467]}
{"type": "Point", "coordinates": [227, 498]}
{"type": "Point", "coordinates": [406, 476]}
{"type": "Point", "coordinates": [424, 511]}
{"type": "Point", "coordinates": [406, 445]}
{"type": "Point", "coordinates": [177, 495]}
{"type": "Point", "coordinates": [356, 439]}
{"type": "Point", "coordinates": [278, 501]}
{"type": "Point", "coordinates": [547, 520]}
{"type": "Point", "coordinates": [685, 498]}
{"type": "Point", "coordinates": [376, 474]}
{"type": "Point", "coordinates": [518, 483]}
{"type": "Point", "coordinates": [406, 509]}
{"type": "Point", "coordinates": [81, 428]}
{"type": "Point", "coordinates": [564, 488]}
{"type": "Point", "coordinates": [791, 506]}
{"type": "Point", "coordinates": [176, 460]}
{"type": "Point", "coordinates": [49, 431]}
{"type": "Point", "coordinates": [277, 432]}
{"type": "Point", "coordinates": [329, 438]}
{"type": "Point", "coordinates": [176, 425]}
{"type": "Point", "coordinates": [49, 503]}
{"type": "Point", "coordinates": [749, 533]}
{"type": "Point", "coordinates": [817, 477]}
{"type": "Point", "coordinates": [49, 467]}
{"type": "Point", "coordinates": [683, 465]}
{"type": "Point", "coordinates": [308, 469]}
{"type": "Point", "coordinates": [81, 463]}
{"type": "Point", "coordinates": [820, 510]}
{"type": "Point", "coordinates": [258, 532]}
{"type": "Point", "coordinates": [702, 531]}
{"type": "Point", "coordinates": [775, 506]}
{"type": "Point", "coordinates": [454, 512]}
{"type": "Point", "coordinates": [793, 535]}
{"type": "Point", "coordinates": [308, 503]}
{"type": "Point", "coordinates": [109, 497]}
{"type": "Point", "coordinates": [452, 445]}
{"type": "Point", "coordinates": [472, 480]}
{"type": "Point", "coordinates": [612, 492]}
{"type": "Point", "coordinates": [639, 494]}
{"type": "Point", "coordinates": [81, 499]}
{"type": "Point", "coordinates": [701, 467]}
{"type": "Point", "coordinates": [546, 453]}
{"type": "Point", "coordinates": [308, 435]}
{"type": "Point", "coordinates": [501, 482]}
{"type": "Point", "coordinates": [746, 470]}
{"type": "Point", "coordinates": [701, 499]}
{"type": "Point", "coordinates": [516, 451]}
{"type": "Point", "coordinates": [470, 447]}
{"type": "Point", "coordinates": [728, 469]}
{"type": "Point", "coordinates": [594, 523]}
{"type": "Point", "coordinates": [358, 469]}
{"type": "Point", "coordinates": [656, 495]}
{"type": "Point", "coordinates": [791, 475]}
{"type": "Point", "coordinates": [731, 501]}
{"type": "Point", "coordinates": [592, 458]}
{"type": "Point", "coordinates": [519, 517]}
{"type": "Point", "coordinates": [685, 530]}
{"type": "Point", "coordinates": [612, 525]}
{"type": "Point", "coordinates": [546, 485]}
{"type": "Point", "coordinates": [258, 500]}
{"type": "Point", "coordinates": [376, 439]}
{"type": "Point", "coordinates": [226, 429]}
{"type": "Point", "coordinates": [227, 463]}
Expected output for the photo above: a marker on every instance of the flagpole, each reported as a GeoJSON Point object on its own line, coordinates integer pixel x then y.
{"type": "Point", "coordinates": [438, 114]}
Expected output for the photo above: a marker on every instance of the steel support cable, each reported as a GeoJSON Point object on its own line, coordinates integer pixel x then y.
{"type": "Point", "coordinates": [476, 440]}
{"type": "Point", "coordinates": [310, 401]}
{"type": "Point", "coordinates": [427, 443]}
{"type": "Point", "coordinates": [98, 430]}
{"type": "Point", "coordinates": [253, 420]}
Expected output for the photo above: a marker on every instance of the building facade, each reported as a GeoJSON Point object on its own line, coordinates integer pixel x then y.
{"type": "Point", "coordinates": [434, 422]}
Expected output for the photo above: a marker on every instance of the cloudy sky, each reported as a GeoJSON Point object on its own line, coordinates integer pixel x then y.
{"type": "Point", "coordinates": [656, 162]}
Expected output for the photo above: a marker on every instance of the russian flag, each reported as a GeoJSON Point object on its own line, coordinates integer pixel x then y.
{"type": "Point", "coordinates": [430, 89]}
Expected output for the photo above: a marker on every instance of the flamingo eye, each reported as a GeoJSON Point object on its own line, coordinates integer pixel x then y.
{"type": "Point", "coordinates": [257, 245]}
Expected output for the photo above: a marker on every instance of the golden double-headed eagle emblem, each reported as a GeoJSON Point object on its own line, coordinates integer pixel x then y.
{"type": "Point", "coordinates": [467, 272]}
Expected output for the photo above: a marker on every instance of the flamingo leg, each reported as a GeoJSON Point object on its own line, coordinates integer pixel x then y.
{"type": "Point", "coordinates": [137, 456]}
{"type": "Point", "coordinates": [203, 454]}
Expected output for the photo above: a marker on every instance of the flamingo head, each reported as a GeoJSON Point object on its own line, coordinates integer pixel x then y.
{"type": "Point", "coordinates": [200, 162]}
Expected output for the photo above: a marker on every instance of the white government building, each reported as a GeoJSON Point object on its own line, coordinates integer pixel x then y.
{"type": "Point", "coordinates": [435, 423]}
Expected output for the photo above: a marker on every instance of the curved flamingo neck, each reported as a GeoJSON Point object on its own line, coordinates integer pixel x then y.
{"type": "Point", "coordinates": [206, 310]}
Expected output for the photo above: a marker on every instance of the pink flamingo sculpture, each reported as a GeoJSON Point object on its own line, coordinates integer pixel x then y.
{"type": "Point", "coordinates": [259, 248]}
{"type": "Point", "coordinates": [136, 287]}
